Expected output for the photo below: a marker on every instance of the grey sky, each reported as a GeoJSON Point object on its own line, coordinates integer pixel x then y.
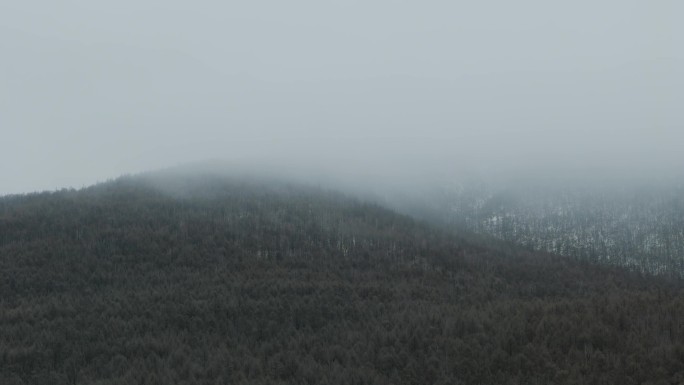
{"type": "Point", "coordinates": [90, 90]}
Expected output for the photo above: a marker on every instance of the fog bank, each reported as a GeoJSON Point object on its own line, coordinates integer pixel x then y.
{"type": "Point", "coordinates": [377, 90]}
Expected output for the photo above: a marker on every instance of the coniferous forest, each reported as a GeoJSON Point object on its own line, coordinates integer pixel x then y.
{"type": "Point", "coordinates": [205, 279]}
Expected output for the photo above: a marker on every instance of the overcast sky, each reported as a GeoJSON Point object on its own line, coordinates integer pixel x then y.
{"type": "Point", "coordinates": [90, 90]}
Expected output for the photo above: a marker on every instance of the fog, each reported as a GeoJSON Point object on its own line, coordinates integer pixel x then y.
{"type": "Point", "coordinates": [372, 90]}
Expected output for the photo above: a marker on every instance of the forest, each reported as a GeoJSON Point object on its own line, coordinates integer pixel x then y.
{"type": "Point", "coordinates": [637, 225]}
{"type": "Point", "coordinates": [205, 279]}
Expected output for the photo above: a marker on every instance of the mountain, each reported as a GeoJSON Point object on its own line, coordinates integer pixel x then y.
{"type": "Point", "coordinates": [205, 278]}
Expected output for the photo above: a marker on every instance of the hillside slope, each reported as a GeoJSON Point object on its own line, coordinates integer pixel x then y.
{"type": "Point", "coordinates": [206, 279]}
{"type": "Point", "coordinates": [634, 224]}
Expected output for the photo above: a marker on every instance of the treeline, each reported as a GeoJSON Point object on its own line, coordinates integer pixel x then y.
{"type": "Point", "coordinates": [213, 281]}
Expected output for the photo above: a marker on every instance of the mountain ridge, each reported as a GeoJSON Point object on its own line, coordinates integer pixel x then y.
{"type": "Point", "coordinates": [160, 278]}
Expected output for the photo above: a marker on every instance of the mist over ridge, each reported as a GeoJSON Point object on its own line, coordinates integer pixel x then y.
{"type": "Point", "coordinates": [341, 192]}
{"type": "Point", "coordinates": [391, 91]}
